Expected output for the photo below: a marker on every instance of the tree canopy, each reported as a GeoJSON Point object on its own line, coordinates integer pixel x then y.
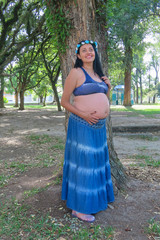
{"type": "Point", "coordinates": [25, 23]}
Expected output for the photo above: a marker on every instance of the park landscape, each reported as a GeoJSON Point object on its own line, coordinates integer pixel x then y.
{"type": "Point", "coordinates": [31, 158]}
{"type": "Point", "coordinates": [37, 51]}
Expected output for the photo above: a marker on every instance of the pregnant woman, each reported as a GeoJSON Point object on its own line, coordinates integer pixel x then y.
{"type": "Point", "coordinates": [87, 185]}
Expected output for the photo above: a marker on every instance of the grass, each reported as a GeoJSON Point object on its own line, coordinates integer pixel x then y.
{"type": "Point", "coordinates": [145, 160]}
{"type": "Point", "coordinates": [49, 152]}
{"type": "Point", "coordinates": [54, 148]}
{"type": "Point", "coordinates": [45, 162]}
{"type": "Point", "coordinates": [17, 221]}
{"type": "Point", "coordinates": [40, 139]}
{"type": "Point", "coordinates": [4, 179]}
{"type": "Point", "coordinates": [154, 228]}
{"type": "Point", "coordinates": [34, 191]}
{"type": "Point", "coordinates": [20, 167]}
{"type": "Point", "coordinates": [147, 110]}
{"type": "Point", "coordinates": [144, 137]}
{"type": "Point", "coordinates": [34, 106]}
{"type": "Point", "coordinates": [143, 148]}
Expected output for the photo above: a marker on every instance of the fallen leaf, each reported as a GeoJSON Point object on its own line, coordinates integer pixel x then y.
{"type": "Point", "coordinates": [128, 229]}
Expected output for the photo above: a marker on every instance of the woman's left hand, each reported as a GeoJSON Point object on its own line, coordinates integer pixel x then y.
{"type": "Point", "coordinates": [106, 80]}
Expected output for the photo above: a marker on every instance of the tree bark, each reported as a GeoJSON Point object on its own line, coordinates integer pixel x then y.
{"type": "Point", "coordinates": [21, 100]}
{"type": "Point", "coordinates": [82, 14]}
{"type": "Point", "coordinates": [16, 98]}
{"type": "Point", "coordinates": [1, 91]}
{"type": "Point", "coordinates": [53, 82]}
{"type": "Point", "coordinates": [56, 97]}
{"type": "Point", "coordinates": [149, 85]}
{"type": "Point", "coordinates": [41, 99]}
{"type": "Point", "coordinates": [141, 90]}
{"type": "Point", "coordinates": [44, 100]}
{"type": "Point", "coordinates": [127, 78]}
{"type": "Point", "coordinates": [136, 86]}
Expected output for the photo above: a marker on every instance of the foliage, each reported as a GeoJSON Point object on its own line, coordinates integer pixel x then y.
{"type": "Point", "coordinates": [59, 25]}
{"type": "Point", "coordinates": [5, 100]}
{"type": "Point", "coordinates": [126, 21]}
{"type": "Point", "coordinates": [127, 25]}
{"type": "Point", "coordinates": [20, 22]}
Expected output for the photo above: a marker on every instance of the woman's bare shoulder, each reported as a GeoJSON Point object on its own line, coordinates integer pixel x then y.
{"type": "Point", "coordinates": [76, 72]}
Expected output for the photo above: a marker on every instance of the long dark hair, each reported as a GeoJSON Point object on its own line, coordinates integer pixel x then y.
{"type": "Point", "coordinates": [96, 63]}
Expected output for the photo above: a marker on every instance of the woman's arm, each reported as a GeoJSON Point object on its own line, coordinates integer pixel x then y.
{"type": "Point", "coordinates": [69, 86]}
{"type": "Point", "coordinates": [106, 80]}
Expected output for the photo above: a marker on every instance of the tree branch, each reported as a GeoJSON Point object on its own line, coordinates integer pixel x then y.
{"type": "Point", "coordinates": [6, 25]}
{"type": "Point", "coordinates": [10, 55]}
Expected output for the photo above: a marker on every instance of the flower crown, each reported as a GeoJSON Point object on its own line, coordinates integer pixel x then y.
{"type": "Point", "coordinates": [86, 42]}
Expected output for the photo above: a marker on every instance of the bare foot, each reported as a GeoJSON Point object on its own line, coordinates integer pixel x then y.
{"type": "Point", "coordinates": [83, 217]}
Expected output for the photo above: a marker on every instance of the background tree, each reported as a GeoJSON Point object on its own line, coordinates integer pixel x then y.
{"type": "Point", "coordinates": [52, 65]}
{"type": "Point", "coordinates": [27, 65]}
{"type": "Point", "coordinates": [139, 72]}
{"type": "Point", "coordinates": [43, 90]}
{"type": "Point", "coordinates": [13, 85]}
{"type": "Point", "coordinates": [20, 22]}
{"type": "Point", "coordinates": [127, 29]}
{"type": "Point", "coordinates": [155, 65]}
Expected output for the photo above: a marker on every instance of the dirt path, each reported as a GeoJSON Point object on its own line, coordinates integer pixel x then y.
{"type": "Point", "coordinates": [131, 210]}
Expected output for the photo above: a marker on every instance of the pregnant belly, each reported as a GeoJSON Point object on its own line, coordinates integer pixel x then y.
{"type": "Point", "coordinates": [97, 102]}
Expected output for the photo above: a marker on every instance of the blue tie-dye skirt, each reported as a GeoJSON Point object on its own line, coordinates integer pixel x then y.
{"type": "Point", "coordinates": [87, 185]}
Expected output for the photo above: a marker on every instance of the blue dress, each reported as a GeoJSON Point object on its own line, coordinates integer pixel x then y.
{"type": "Point", "coordinates": [87, 185]}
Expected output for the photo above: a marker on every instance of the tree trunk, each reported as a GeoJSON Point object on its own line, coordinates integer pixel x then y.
{"type": "Point", "coordinates": [149, 85]}
{"type": "Point", "coordinates": [141, 90]}
{"type": "Point", "coordinates": [1, 91]}
{"type": "Point", "coordinates": [85, 25]}
{"type": "Point", "coordinates": [53, 82]}
{"type": "Point", "coordinates": [44, 100]}
{"type": "Point", "coordinates": [16, 98]}
{"type": "Point", "coordinates": [137, 94]}
{"type": "Point", "coordinates": [136, 86]}
{"type": "Point", "coordinates": [41, 99]}
{"type": "Point", "coordinates": [154, 99]}
{"type": "Point", "coordinates": [21, 100]}
{"type": "Point", "coordinates": [56, 97]}
{"type": "Point", "coordinates": [127, 78]}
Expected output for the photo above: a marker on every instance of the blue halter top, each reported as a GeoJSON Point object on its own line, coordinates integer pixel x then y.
{"type": "Point", "coordinates": [90, 86]}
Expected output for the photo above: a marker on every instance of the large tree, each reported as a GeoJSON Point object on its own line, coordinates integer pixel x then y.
{"type": "Point", "coordinates": [127, 24]}
{"type": "Point", "coordinates": [84, 22]}
{"type": "Point", "coordinates": [20, 22]}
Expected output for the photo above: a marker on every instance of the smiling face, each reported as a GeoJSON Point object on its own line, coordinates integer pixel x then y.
{"type": "Point", "coordinates": [86, 53]}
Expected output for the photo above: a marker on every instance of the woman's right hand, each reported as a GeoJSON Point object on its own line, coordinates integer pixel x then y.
{"type": "Point", "coordinates": [90, 117]}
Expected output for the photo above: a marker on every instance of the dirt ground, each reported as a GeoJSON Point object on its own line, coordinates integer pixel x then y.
{"type": "Point", "coordinates": [132, 209]}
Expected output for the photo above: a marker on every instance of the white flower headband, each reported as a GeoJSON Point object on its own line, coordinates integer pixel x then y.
{"type": "Point", "coordinates": [86, 42]}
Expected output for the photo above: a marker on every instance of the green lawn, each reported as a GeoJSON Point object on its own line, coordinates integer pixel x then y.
{"type": "Point", "coordinates": [32, 106]}
{"type": "Point", "coordinates": [148, 110]}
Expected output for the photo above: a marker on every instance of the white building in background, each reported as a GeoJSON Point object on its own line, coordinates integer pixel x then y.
{"type": "Point", "coordinates": [27, 98]}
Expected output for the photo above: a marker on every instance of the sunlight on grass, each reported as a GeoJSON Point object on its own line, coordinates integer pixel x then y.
{"type": "Point", "coordinates": [33, 106]}
{"type": "Point", "coordinates": [138, 109]}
